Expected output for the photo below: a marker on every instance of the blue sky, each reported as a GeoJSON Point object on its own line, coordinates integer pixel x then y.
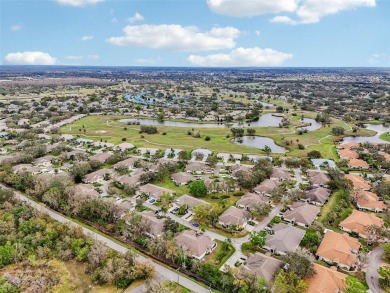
{"type": "Point", "coordinates": [196, 32]}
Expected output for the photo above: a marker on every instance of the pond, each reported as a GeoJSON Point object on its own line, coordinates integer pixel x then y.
{"type": "Point", "coordinates": [266, 120]}
{"type": "Point", "coordinates": [314, 125]}
{"type": "Point", "coordinates": [372, 139]}
{"type": "Point", "coordinates": [260, 142]}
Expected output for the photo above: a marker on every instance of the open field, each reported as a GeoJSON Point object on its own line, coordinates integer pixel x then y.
{"type": "Point", "coordinates": [108, 128]}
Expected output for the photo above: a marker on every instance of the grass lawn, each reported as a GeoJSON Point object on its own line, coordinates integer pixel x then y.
{"type": "Point", "coordinates": [334, 206]}
{"type": "Point", "coordinates": [168, 183]}
{"type": "Point", "coordinates": [108, 128]}
{"type": "Point", "coordinates": [220, 254]}
{"type": "Point", "coordinates": [247, 248]}
{"type": "Point", "coordinates": [385, 136]}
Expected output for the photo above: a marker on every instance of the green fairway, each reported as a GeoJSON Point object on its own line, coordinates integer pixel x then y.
{"type": "Point", "coordinates": [385, 136]}
{"type": "Point", "coordinates": [108, 128]}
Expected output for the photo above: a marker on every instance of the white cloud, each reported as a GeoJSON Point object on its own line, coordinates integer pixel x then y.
{"type": "Point", "coordinates": [148, 60]}
{"type": "Point", "coordinates": [16, 27]}
{"type": "Point", "coordinates": [136, 17]}
{"type": "Point", "coordinates": [74, 57]}
{"type": "Point", "coordinates": [30, 58]}
{"type": "Point", "coordinates": [311, 11]}
{"type": "Point", "coordinates": [78, 3]}
{"type": "Point", "coordinates": [241, 57]}
{"type": "Point", "coordinates": [257, 33]}
{"type": "Point", "coordinates": [176, 37]}
{"type": "Point", "coordinates": [87, 38]}
{"type": "Point", "coordinates": [248, 8]}
{"type": "Point", "coordinates": [93, 57]}
{"type": "Point", "coordinates": [379, 59]}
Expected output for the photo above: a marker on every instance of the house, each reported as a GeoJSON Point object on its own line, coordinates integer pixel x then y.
{"type": "Point", "coordinates": [128, 163]}
{"type": "Point", "coordinates": [101, 144]}
{"type": "Point", "coordinates": [358, 222]}
{"type": "Point", "coordinates": [264, 266]}
{"type": "Point", "coordinates": [182, 178]}
{"type": "Point", "coordinates": [43, 161]}
{"type": "Point", "coordinates": [27, 168]}
{"type": "Point", "coordinates": [98, 176]}
{"type": "Point", "coordinates": [124, 146]}
{"type": "Point", "coordinates": [302, 214]}
{"type": "Point", "coordinates": [358, 164]}
{"type": "Point", "coordinates": [280, 174]}
{"type": "Point", "coordinates": [133, 180]}
{"type": "Point", "coordinates": [348, 154]}
{"type": "Point", "coordinates": [285, 238]}
{"type": "Point", "coordinates": [196, 245]}
{"type": "Point", "coordinates": [101, 157]}
{"type": "Point", "coordinates": [318, 163]}
{"type": "Point", "coordinates": [234, 218]}
{"type": "Point", "coordinates": [155, 225]}
{"type": "Point", "coordinates": [266, 187]}
{"type": "Point", "coordinates": [316, 195]}
{"type": "Point", "coordinates": [154, 191]}
{"type": "Point", "coordinates": [318, 178]}
{"type": "Point", "coordinates": [198, 167]}
{"type": "Point", "coordinates": [357, 181]}
{"type": "Point", "coordinates": [326, 280]}
{"type": "Point", "coordinates": [368, 201]}
{"type": "Point", "coordinates": [240, 168]}
{"type": "Point", "coordinates": [86, 190]}
{"type": "Point", "coordinates": [251, 199]}
{"type": "Point", "coordinates": [339, 249]}
{"type": "Point", "coordinates": [190, 201]}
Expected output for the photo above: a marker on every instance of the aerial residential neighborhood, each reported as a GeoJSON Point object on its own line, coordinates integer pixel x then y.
{"type": "Point", "coordinates": [232, 146]}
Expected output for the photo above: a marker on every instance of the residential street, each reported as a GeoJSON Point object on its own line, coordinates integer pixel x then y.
{"type": "Point", "coordinates": [372, 276]}
{"type": "Point", "coordinates": [163, 271]}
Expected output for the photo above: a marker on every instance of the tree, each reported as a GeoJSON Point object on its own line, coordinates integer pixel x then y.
{"type": "Point", "coordinates": [257, 238]}
{"type": "Point", "coordinates": [267, 150]}
{"type": "Point", "coordinates": [289, 282]}
{"type": "Point", "coordinates": [299, 264]}
{"type": "Point", "coordinates": [237, 132]}
{"type": "Point", "coordinates": [354, 285]}
{"type": "Point", "coordinates": [261, 209]}
{"type": "Point", "coordinates": [314, 154]}
{"type": "Point", "coordinates": [171, 226]}
{"type": "Point", "coordinates": [386, 248]}
{"type": "Point", "coordinates": [251, 131]}
{"type": "Point", "coordinates": [198, 188]}
{"type": "Point", "coordinates": [384, 273]}
{"type": "Point", "coordinates": [338, 130]}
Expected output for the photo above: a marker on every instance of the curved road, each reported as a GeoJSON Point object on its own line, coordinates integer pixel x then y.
{"type": "Point", "coordinates": [372, 276]}
{"type": "Point", "coordinates": [163, 271]}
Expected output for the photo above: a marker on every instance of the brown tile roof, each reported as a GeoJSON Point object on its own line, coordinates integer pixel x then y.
{"type": "Point", "coordinates": [302, 212]}
{"type": "Point", "coordinates": [266, 186]}
{"type": "Point", "coordinates": [317, 194]}
{"type": "Point", "coordinates": [234, 216]}
{"type": "Point", "coordinates": [190, 201]}
{"type": "Point", "coordinates": [359, 221]}
{"type": "Point", "coordinates": [280, 173]}
{"type": "Point", "coordinates": [326, 280]}
{"type": "Point", "coordinates": [319, 178]}
{"type": "Point", "coordinates": [195, 244]}
{"type": "Point", "coordinates": [339, 248]}
{"type": "Point", "coordinates": [262, 265]}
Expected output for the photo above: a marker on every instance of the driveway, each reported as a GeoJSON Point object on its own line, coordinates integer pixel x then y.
{"type": "Point", "coordinates": [372, 276]}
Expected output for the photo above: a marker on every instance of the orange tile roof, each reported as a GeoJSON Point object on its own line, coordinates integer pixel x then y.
{"type": "Point", "coordinates": [349, 145]}
{"type": "Point", "coordinates": [326, 280]}
{"type": "Point", "coordinates": [345, 153]}
{"type": "Point", "coordinates": [357, 163]}
{"type": "Point", "coordinates": [367, 199]}
{"type": "Point", "coordinates": [337, 247]}
{"type": "Point", "coordinates": [358, 181]}
{"type": "Point", "coordinates": [359, 221]}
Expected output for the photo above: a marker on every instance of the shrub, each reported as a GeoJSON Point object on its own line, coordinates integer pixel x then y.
{"type": "Point", "coordinates": [207, 138]}
{"type": "Point", "coordinates": [238, 193]}
{"type": "Point", "coordinates": [123, 138]}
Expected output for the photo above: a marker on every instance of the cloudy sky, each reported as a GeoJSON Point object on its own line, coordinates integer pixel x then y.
{"type": "Point", "coordinates": [196, 32]}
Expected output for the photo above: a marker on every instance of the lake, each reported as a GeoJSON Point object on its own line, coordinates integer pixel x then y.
{"type": "Point", "coordinates": [372, 139]}
{"type": "Point", "coordinates": [314, 125]}
{"type": "Point", "coordinates": [266, 120]}
{"type": "Point", "coordinates": [260, 142]}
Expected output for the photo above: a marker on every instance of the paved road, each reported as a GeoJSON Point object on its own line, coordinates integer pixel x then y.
{"type": "Point", "coordinates": [372, 276]}
{"type": "Point", "coordinates": [163, 271]}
